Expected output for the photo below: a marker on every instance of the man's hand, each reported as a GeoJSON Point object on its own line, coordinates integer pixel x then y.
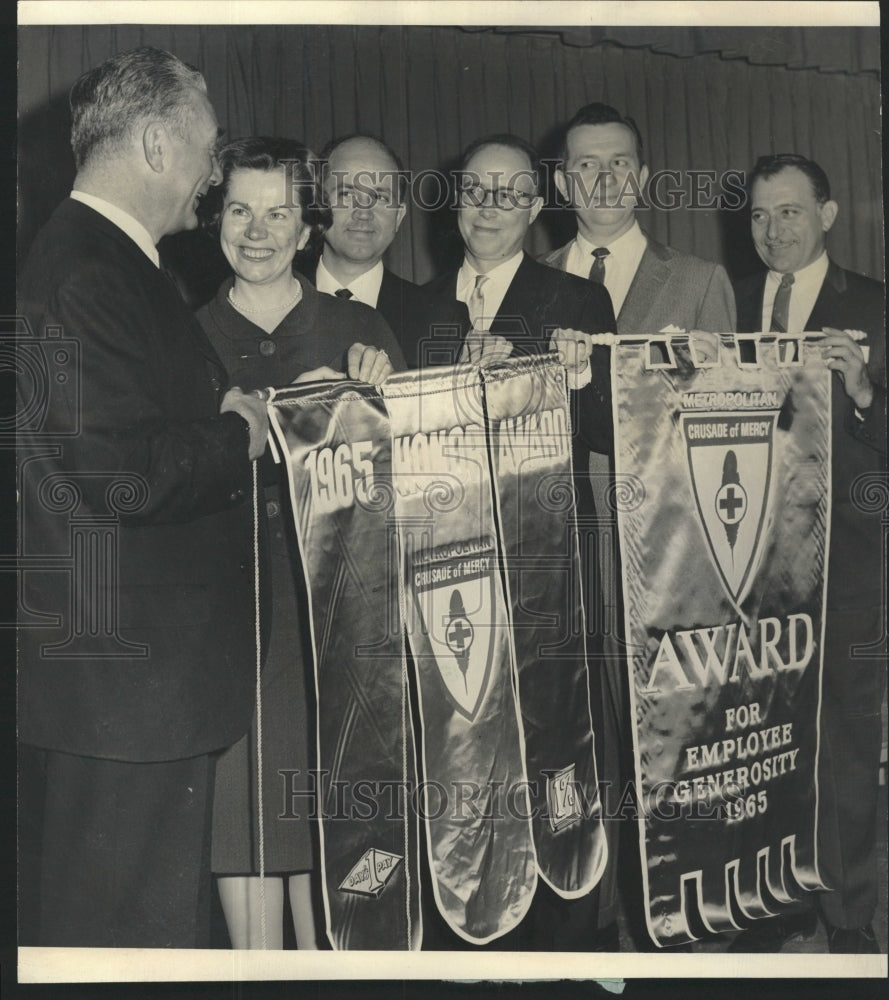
{"type": "Point", "coordinates": [481, 348]}
{"type": "Point", "coordinates": [843, 355]}
{"type": "Point", "coordinates": [574, 349]}
{"type": "Point", "coordinates": [253, 410]}
{"type": "Point", "coordinates": [368, 364]}
{"type": "Point", "coordinates": [705, 346]}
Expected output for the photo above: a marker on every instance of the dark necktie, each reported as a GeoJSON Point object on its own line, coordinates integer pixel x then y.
{"type": "Point", "coordinates": [597, 271]}
{"type": "Point", "coordinates": [343, 293]}
{"type": "Point", "coordinates": [781, 308]}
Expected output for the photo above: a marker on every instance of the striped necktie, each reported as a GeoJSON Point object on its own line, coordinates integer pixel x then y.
{"type": "Point", "coordinates": [476, 303]}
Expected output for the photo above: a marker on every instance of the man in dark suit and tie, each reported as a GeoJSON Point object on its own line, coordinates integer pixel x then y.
{"type": "Point", "coordinates": [653, 287]}
{"type": "Point", "coordinates": [791, 213]}
{"type": "Point", "coordinates": [137, 653]}
{"type": "Point", "coordinates": [365, 186]}
{"type": "Point", "coordinates": [519, 306]}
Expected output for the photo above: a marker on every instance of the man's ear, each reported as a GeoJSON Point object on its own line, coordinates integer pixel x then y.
{"type": "Point", "coordinates": [156, 146]}
{"type": "Point", "coordinates": [643, 176]}
{"type": "Point", "coordinates": [562, 183]}
{"type": "Point", "coordinates": [536, 205]}
{"type": "Point", "coordinates": [402, 211]}
{"type": "Point", "coordinates": [829, 212]}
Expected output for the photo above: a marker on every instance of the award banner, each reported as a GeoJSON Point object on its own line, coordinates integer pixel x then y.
{"type": "Point", "coordinates": [530, 446]}
{"type": "Point", "coordinates": [335, 442]}
{"type": "Point", "coordinates": [475, 799]}
{"type": "Point", "coordinates": [724, 577]}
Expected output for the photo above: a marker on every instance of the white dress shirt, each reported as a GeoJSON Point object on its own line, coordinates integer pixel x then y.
{"type": "Point", "coordinates": [494, 289]}
{"type": "Point", "coordinates": [803, 294]}
{"type": "Point", "coordinates": [124, 221]}
{"type": "Point", "coordinates": [365, 288]}
{"type": "Point", "coordinates": [624, 255]}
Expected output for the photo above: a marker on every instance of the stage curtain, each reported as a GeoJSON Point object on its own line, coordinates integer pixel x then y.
{"type": "Point", "coordinates": [428, 91]}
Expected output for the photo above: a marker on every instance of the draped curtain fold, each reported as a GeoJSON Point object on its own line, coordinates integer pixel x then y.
{"type": "Point", "coordinates": [428, 91]}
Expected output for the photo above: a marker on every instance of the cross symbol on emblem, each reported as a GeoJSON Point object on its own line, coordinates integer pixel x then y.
{"type": "Point", "coordinates": [459, 635]}
{"type": "Point", "coordinates": [731, 503]}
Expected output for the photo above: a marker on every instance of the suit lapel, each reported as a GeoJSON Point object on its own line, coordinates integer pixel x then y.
{"type": "Point", "coordinates": [559, 258]}
{"type": "Point", "coordinates": [827, 305]}
{"type": "Point", "coordinates": [748, 300]}
{"type": "Point", "coordinates": [651, 275]}
{"type": "Point", "coordinates": [516, 303]}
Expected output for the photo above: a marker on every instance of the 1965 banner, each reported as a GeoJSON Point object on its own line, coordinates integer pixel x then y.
{"type": "Point", "coordinates": [441, 509]}
{"type": "Point", "coordinates": [724, 582]}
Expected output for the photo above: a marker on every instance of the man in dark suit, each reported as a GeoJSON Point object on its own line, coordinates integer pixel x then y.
{"type": "Point", "coordinates": [518, 306]}
{"type": "Point", "coordinates": [803, 289]}
{"type": "Point", "coordinates": [137, 653]}
{"type": "Point", "coordinates": [653, 287]}
{"type": "Point", "coordinates": [365, 186]}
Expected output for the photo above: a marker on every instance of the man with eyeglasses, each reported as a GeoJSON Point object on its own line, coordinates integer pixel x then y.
{"type": "Point", "coordinates": [791, 213]}
{"type": "Point", "coordinates": [519, 306]}
{"type": "Point", "coordinates": [365, 187]}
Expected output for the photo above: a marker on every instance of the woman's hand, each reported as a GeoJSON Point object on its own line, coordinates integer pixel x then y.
{"type": "Point", "coordinates": [368, 364]}
{"type": "Point", "coordinates": [323, 374]}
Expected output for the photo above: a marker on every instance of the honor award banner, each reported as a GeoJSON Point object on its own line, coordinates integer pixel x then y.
{"type": "Point", "coordinates": [475, 800]}
{"type": "Point", "coordinates": [529, 430]}
{"type": "Point", "coordinates": [336, 445]}
{"type": "Point", "coordinates": [724, 577]}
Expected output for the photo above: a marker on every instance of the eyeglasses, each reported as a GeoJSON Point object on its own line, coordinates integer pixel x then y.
{"type": "Point", "coordinates": [476, 196]}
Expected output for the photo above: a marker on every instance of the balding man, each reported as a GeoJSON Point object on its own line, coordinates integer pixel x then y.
{"type": "Point", "coordinates": [137, 647]}
{"type": "Point", "coordinates": [365, 186]}
{"type": "Point", "coordinates": [803, 288]}
{"type": "Point", "coordinates": [519, 306]}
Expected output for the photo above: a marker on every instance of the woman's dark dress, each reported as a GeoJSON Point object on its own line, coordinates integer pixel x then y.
{"type": "Point", "coordinates": [318, 331]}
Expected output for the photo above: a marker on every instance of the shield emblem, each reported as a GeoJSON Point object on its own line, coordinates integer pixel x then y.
{"type": "Point", "coordinates": [459, 612]}
{"type": "Point", "coordinates": [730, 465]}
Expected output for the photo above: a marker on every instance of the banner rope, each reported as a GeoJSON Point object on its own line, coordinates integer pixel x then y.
{"type": "Point", "coordinates": [258, 636]}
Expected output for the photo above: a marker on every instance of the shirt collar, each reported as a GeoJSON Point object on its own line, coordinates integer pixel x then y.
{"type": "Point", "coordinates": [365, 288]}
{"type": "Point", "coordinates": [631, 242]}
{"type": "Point", "coordinates": [123, 220]}
{"type": "Point", "coordinates": [501, 275]}
{"type": "Point", "coordinates": [810, 274]}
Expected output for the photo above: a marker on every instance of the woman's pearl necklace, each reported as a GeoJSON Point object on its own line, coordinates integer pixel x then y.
{"type": "Point", "coordinates": [297, 295]}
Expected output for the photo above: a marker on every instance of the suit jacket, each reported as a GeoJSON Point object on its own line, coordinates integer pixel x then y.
{"type": "Point", "coordinates": [538, 300]}
{"type": "Point", "coordinates": [137, 634]}
{"type": "Point", "coordinates": [670, 287]}
{"type": "Point", "coordinates": [847, 301]}
{"type": "Point", "coordinates": [428, 327]}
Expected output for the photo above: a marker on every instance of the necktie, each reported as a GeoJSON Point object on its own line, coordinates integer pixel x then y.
{"type": "Point", "coordinates": [343, 293]}
{"type": "Point", "coordinates": [597, 271]}
{"type": "Point", "coordinates": [781, 308]}
{"type": "Point", "coordinates": [476, 303]}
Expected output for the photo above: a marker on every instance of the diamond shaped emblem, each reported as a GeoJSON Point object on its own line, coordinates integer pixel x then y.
{"type": "Point", "coordinates": [371, 873]}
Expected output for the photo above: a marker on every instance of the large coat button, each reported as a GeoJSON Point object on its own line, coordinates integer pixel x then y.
{"type": "Point", "coordinates": [267, 347]}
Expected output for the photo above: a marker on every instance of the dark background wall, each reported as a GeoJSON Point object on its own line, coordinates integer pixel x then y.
{"type": "Point", "coordinates": [705, 100]}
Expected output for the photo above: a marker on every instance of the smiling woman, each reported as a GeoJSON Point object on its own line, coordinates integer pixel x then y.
{"type": "Point", "coordinates": [270, 326]}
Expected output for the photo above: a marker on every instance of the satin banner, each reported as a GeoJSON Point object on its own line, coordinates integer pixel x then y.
{"type": "Point", "coordinates": [529, 432]}
{"type": "Point", "coordinates": [724, 577]}
{"type": "Point", "coordinates": [337, 449]}
{"type": "Point", "coordinates": [475, 801]}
